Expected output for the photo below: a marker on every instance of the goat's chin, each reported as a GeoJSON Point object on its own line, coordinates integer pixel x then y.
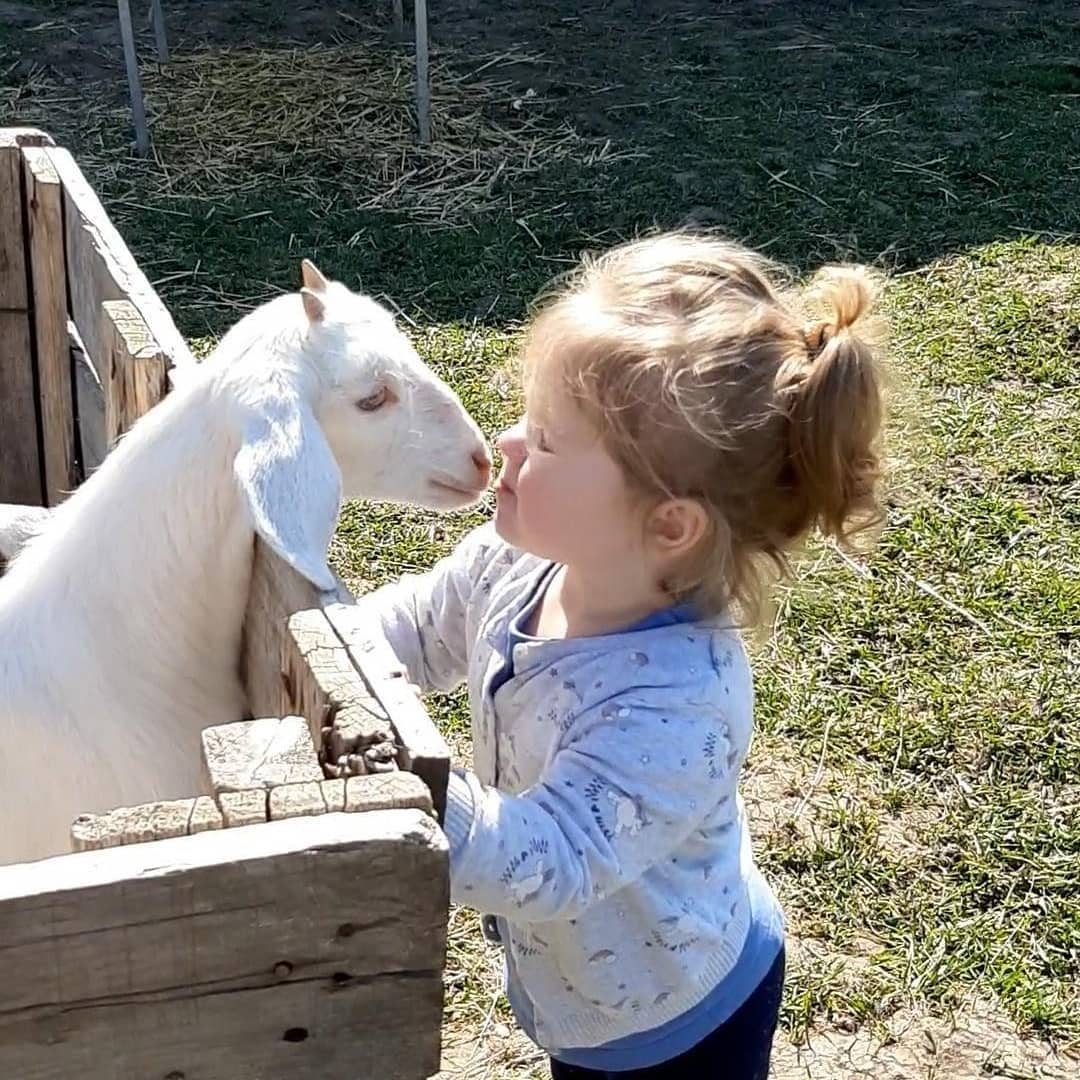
{"type": "Point", "coordinates": [434, 496]}
{"type": "Point", "coordinates": [440, 496]}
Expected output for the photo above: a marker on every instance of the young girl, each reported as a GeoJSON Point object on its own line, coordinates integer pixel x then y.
{"type": "Point", "coordinates": [686, 426]}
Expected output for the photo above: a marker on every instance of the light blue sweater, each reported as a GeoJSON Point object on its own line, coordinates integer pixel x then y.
{"type": "Point", "coordinates": [602, 823]}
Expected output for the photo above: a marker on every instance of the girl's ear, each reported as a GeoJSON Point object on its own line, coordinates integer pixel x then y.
{"type": "Point", "coordinates": [677, 526]}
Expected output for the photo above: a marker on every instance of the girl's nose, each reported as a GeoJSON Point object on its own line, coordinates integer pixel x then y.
{"type": "Point", "coordinates": [511, 442]}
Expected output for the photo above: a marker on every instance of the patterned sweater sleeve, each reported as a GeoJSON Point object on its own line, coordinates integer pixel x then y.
{"type": "Point", "coordinates": [424, 617]}
{"type": "Point", "coordinates": [617, 801]}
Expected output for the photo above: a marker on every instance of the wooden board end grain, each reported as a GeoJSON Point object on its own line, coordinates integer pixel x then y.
{"type": "Point", "coordinates": [243, 807]}
{"type": "Point", "coordinates": [296, 800]}
{"type": "Point", "coordinates": [387, 791]}
{"type": "Point", "coordinates": [262, 753]}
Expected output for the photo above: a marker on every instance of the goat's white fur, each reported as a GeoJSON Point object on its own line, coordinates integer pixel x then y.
{"type": "Point", "coordinates": [17, 525]}
{"type": "Point", "coordinates": [120, 620]}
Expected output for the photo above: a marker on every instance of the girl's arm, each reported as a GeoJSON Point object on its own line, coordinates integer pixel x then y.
{"type": "Point", "coordinates": [423, 616]}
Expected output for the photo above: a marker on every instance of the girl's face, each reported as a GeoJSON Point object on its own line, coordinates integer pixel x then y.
{"type": "Point", "coordinates": [561, 495]}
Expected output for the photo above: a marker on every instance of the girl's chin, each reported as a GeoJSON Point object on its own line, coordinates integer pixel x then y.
{"type": "Point", "coordinates": [504, 518]}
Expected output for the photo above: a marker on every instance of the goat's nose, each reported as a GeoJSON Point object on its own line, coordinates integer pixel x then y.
{"type": "Point", "coordinates": [483, 466]}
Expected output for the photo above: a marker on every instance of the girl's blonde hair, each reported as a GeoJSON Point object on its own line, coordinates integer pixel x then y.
{"type": "Point", "coordinates": [705, 378]}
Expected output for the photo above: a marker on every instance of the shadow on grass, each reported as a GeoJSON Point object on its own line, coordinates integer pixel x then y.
{"type": "Point", "coordinates": [817, 132]}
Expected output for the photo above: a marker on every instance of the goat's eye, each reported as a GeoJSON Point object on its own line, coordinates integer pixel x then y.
{"type": "Point", "coordinates": [375, 401]}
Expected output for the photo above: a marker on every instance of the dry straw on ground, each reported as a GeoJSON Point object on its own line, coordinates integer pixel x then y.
{"type": "Point", "coordinates": [336, 124]}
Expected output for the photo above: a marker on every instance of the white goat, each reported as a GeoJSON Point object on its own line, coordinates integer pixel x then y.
{"type": "Point", "coordinates": [120, 621]}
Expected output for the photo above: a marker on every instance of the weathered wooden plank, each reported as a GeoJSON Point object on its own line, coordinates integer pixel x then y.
{"type": "Point", "coordinates": [134, 368]}
{"type": "Point", "coordinates": [100, 267]}
{"type": "Point", "coordinates": [20, 462]}
{"type": "Point", "coordinates": [272, 664]}
{"type": "Point", "coordinates": [25, 136]}
{"type": "Point", "coordinates": [13, 296]}
{"type": "Point", "coordinates": [91, 436]}
{"type": "Point", "coordinates": [323, 685]}
{"type": "Point", "coordinates": [149, 821]}
{"type": "Point", "coordinates": [275, 592]}
{"type": "Point", "coordinates": [261, 753]}
{"type": "Point", "coordinates": [314, 1028]}
{"type": "Point", "coordinates": [424, 749]}
{"type": "Point", "coordinates": [45, 228]}
{"type": "Point", "coordinates": [260, 953]}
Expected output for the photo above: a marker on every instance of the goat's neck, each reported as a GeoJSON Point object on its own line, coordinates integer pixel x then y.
{"type": "Point", "coordinates": [158, 536]}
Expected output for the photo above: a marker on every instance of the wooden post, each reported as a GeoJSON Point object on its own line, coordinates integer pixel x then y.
{"type": "Point", "coordinates": [160, 32]}
{"type": "Point", "coordinates": [134, 369]}
{"type": "Point", "coordinates": [324, 686]}
{"type": "Point", "coordinates": [399, 18]}
{"type": "Point", "coordinates": [424, 750]}
{"type": "Point", "coordinates": [99, 268]}
{"type": "Point", "coordinates": [423, 84]}
{"type": "Point", "coordinates": [131, 61]}
{"type": "Point", "coordinates": [44, 213]}
{"type": "Point", "coordinates": [20, 460]}
{"type": "Point", "coordinates": [276, 591]}
{"type": "Point", "coordinates": [277, 644]}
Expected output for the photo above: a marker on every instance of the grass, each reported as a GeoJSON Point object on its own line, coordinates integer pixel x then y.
{"type": "Point", "coordinates": [918, 708]}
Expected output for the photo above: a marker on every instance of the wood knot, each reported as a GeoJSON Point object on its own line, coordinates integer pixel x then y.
{"type": "Point", "coordinates": [283, 969]}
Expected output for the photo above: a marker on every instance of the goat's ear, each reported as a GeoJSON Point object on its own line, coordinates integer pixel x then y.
{"type": "Point", "coordinates": [314, 307]}
{"type": "Point", "coordinates": [313, 278]}
{"type": "Point", "coordinates": [292, 485]}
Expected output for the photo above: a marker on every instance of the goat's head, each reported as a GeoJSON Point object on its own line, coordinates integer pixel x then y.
{"type": "Point", "coordinates": [344, 408]}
